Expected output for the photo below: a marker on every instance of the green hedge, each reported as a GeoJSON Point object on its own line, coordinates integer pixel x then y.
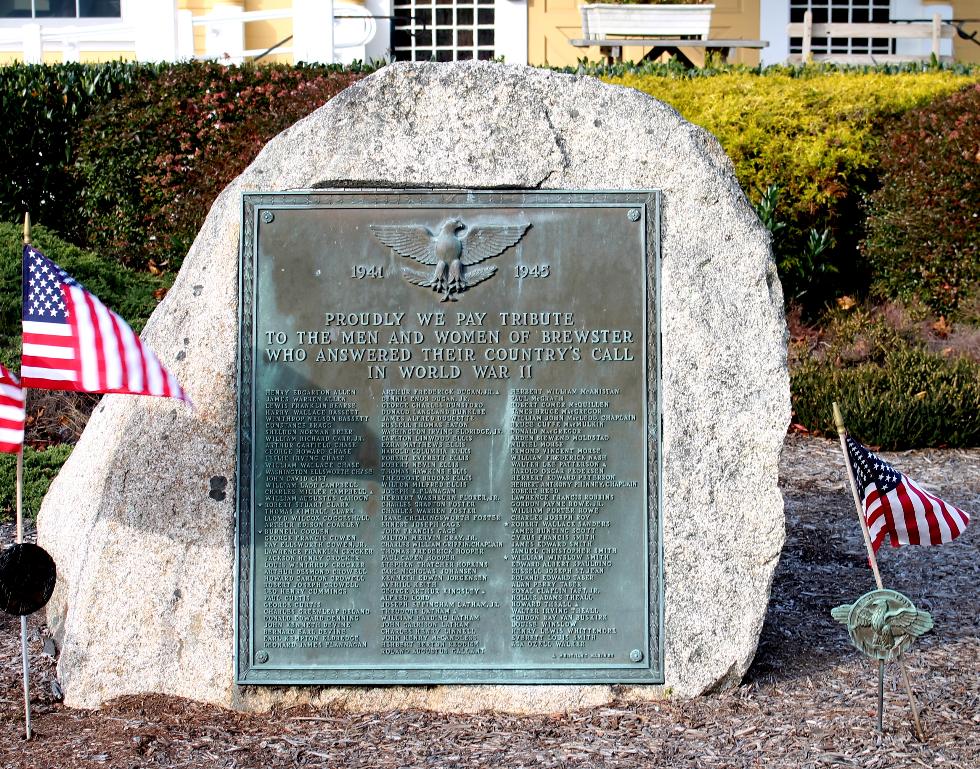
{"type": "Point", "coordinates": [893, 391]}
{"type": "Point", "coordinates": [40, 468]}
{"type": "Point", "coordinates": [924, 224]}
{"type": "Point", "coordinates": [814, 134]}
{"type": "Point", "coordinates": [911, 399]}
{"type": "Point", "coordinates": [132, 294]}
{"type": "Point", "coordinates": [41, 107]}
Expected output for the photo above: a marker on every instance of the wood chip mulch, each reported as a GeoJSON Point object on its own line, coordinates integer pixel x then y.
{"type": "Point", "coordinates": [807, 702]}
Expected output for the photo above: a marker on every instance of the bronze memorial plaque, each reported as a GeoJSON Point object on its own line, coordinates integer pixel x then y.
{"type": "Point", "coordinates": [449, 438]}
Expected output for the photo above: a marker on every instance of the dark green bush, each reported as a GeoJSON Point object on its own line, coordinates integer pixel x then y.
{"type": "Point", "coordinates": [893, 391]}
{"type": "Point", "coordinates": [151, 162]}
{"type": "Point", "coordinates": [133, 295]}
{"type": "Point", "coordinates": [40, 468]}
{"type": "Point", "coordinates": [924, 224]}
{"type": "Point", "coordinates": [41, 107]}
{"type": "Point", "coordinates": [804, 272]}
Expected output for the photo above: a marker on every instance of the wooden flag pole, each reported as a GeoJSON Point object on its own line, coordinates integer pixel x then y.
{"type": "Point", "coordinates": [912, 702]}
{"type": "Point", "coordinates": [20, 538]}
{"type": "Point", "coordinates": [842, 434]}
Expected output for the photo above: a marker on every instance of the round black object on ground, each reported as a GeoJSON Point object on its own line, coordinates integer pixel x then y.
{"type": "Point", "coordinates": [27, 577]}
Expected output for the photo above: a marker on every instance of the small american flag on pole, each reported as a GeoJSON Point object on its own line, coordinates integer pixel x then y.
{"type": "Point", "coordinates": [74, 342]}
{"type": "Point", "coordinates": [897, 507]}
{"type": "Point", "coordinates": [11, 412]}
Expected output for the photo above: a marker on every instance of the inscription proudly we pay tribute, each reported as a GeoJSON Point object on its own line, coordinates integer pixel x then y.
{"type": "Point", "coordinates": [437, 492]}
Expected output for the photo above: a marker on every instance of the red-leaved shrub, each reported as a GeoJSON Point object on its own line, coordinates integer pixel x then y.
{"type": "Point", "coordinates": [150, 163]}
{"type": "Point", "coordinates": [924, 225]}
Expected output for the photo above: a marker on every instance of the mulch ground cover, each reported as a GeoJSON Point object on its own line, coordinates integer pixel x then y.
{"type": "Point", "coordinates": [808, 701]}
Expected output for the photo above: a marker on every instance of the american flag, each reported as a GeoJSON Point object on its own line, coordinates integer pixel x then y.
{"type": "Point", "coordinates": [74, 342]}
{"type": "Point", "coordinates": [896, 506]}
{"type": "Point", "coordinates": [11, 412]}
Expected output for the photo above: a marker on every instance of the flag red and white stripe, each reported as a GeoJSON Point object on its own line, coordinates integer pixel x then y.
{"type": "Point", "coordinates": [11, 412]}
{"type": "Point", "coordinates": [899, 509]}
{"type": "Point", "coordinates": [74, 342]}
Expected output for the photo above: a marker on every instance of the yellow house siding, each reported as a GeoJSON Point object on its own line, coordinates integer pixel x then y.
{"type": "Point", "coordinates": [553, 23]}
{"type": "Point", "coordinates": [97, 57]}
{"type": "Point", "coordinates": [265, 34]}
{"type": "Point", "coordinates": [56, 57]}
{"type": "Point", "coordinates": [258, 34]}
{"type": "Point", "coordinates": [737, 20]}
{"type": "Point", "coordinates": [199, 8]}
{"type": "Point", "coordinates": [965, 50]}
{"type": "Point", "coordinates": [550, 25]}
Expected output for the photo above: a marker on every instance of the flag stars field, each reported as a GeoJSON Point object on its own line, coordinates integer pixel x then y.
{"type": "Point", "coordinates": [897, 507]}
{"type": "Point", "coordinates": [74, 342]}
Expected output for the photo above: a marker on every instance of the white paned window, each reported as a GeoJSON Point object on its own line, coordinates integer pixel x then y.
{"type": "Point", "coordinates": [443, 30]}
{"type": "Point", "coordinates": [59, 9]}
{"type": "Point", "coordinates": [842, 12]}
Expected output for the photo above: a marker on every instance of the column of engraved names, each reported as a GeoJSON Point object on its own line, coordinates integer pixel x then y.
{"type": "Point", "coordinates": [312, 509]}
{"type": "Point", "coordinates": [435, 546]}
{"type": "Point", "coordinates": [561, 488]}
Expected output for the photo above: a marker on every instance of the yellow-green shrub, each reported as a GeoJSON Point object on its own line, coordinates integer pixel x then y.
{"type": "Point", "coordinates": [812, 132]}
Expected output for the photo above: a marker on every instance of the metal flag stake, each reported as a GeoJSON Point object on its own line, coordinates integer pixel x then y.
{"type": "Point", "coordinates": [882, 623]}
{"type": "Point", "coordinates": [27, 573]}
{"type": "Point", "coordinates": [20, 540]}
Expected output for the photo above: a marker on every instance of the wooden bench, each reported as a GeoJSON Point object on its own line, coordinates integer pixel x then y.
{"type": "Point", "coordinates": [612, 47]}
{"type": "Point", "coordinates": [935, 30]}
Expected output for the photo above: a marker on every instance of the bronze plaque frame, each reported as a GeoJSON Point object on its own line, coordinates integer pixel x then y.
{"type": "Point", "coordinates": [515, 230]}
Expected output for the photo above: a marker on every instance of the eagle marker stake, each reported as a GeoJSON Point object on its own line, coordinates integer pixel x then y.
{"type": "Point", "coordinates": [881, 696]}
{"type": "Point", "coordinates": [20, 539]}
{"type": "Point", "coordinates": [842, 434]}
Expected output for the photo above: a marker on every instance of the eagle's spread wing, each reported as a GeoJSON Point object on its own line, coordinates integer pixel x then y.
{"type": "Point", "coordinates": [864, 617]}
{"type": "Point", "coordinates": [841, 613]}
{"type": "Point", "coordinates": [485, 242]}
{"type": "Point", "coordinates": [416, 277]}
{"type": "Point", "coordinates": [411, 240]}
{"type": "Point", "coordinates": [910, 621]}
{"type": "Point", "coordinates": [478, 275]}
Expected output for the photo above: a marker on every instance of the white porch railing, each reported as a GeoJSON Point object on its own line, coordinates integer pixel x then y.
{"type": "Point", "coordinates": [325, 31]}
{"type": "Point", "coordinates": [934, 31]}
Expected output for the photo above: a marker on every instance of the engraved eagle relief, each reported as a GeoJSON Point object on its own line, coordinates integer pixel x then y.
{"type": "Point", "coordinates": [883, 623]}
{"type": "Point", "coordinates": [452, 256]}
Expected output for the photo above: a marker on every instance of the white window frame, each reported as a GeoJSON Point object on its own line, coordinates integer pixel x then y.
{"type": "Point", "coordinates": [849, 46]}
{"type": "Point", "coordinates": [509, 28]}
{"type": "Point", "coordinates": [148, 28]}
{"type": "Point", "coordinates": [34, 18]}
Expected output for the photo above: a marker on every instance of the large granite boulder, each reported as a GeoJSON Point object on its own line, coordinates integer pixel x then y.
{"type": "Point", "coordinates": [141, 520]}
